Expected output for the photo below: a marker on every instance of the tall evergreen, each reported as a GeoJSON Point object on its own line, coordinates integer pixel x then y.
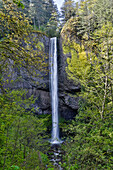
{"type": "Point", "coordinates": [21, 131]}
{"type": "Point", "coordinates": [39, 11]}
{"type": "Point", "coordinates": [88, 37]}
{"type": "Point", "coordinates": [68, 10]}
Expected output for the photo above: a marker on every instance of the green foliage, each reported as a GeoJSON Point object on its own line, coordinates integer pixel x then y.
{"type": "Point", "coordinates": [22, 133]}
{"type": "Point", "coordinates": [15, 167]}
{"type": "Point", "coordinates": [92, 61]}
{"type": "Point", "coordinates": [91, 146]}
{"type": "Point", "coordinates": [19, 4]}
{"type": "Point", "coordinates": [68, 10]}
{"type": "Point", "coordinates": [52, 25]}
{"type": "Point", "coordinates": [50, 169]}
{"type": "Point", "coordinates": [20, 45]}
{"type": "Point", "coordinates": [94, 69]}
{"type": "Point", "coordinates": [39, 11]}
{"type": "Point", "coordinates": [88, 37]}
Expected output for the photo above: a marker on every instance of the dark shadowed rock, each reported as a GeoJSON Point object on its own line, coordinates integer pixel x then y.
{"type": "Point", "coordinates": [68, 102]}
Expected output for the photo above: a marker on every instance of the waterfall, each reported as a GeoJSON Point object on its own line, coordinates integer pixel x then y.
{"type": "Point", "coordinates": [54, 90]}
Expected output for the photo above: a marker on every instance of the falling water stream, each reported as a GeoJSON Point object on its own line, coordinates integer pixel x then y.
{"type": "Point", "coordinates": [54, 91]}
{"type": "Point", "coordinates": [55, 140]}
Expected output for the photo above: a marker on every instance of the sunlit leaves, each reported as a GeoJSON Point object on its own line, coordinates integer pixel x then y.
{"type": "Point", "coordinates": [21, 49]}
{"type": "Point", "coordinates": [20, 46]}
{"type": "Point", "coordinates": [91, 55]}
{"type": "Point", "coordinates": [88, 37]}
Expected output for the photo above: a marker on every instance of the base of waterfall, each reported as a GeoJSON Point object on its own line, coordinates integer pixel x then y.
{"type": "Point", "coordinates": [56, 141]}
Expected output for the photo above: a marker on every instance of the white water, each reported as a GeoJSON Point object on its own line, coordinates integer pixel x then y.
{"type": "Point", "coordinates": [54, 91]}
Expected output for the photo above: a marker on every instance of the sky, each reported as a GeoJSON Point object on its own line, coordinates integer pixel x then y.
{"type": "Point", "coordinates": [60, 2]}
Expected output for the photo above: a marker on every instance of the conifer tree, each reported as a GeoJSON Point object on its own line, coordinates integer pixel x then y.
{"type": "Point", "coordinates": [68, 10]}
{"type": "Point", "coordinates": [21, 130]}
{"type": "Point", "coordinates": [88, 37]}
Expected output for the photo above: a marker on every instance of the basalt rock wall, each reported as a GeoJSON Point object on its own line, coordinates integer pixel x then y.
{"type": "Point", "coordinates": [68, 90]}
{"type": "Point", "coordinates": [39, 87]}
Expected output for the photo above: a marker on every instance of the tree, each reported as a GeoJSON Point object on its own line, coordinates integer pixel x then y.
{"type": "Point", "coordinates": [21, 130]}
{"type": "Point", "coordinates": [68, 10]}
{"type": "Point", "coordinates": [94, 57]}
{"type": "Point", "coordinates": [16, 49]}
{"type": "Point", "coordinates": [89, 40]}
{"type": "Point", "coordinates": [39, 12]}
{"type": "Point", "coordinates": [52, 25]}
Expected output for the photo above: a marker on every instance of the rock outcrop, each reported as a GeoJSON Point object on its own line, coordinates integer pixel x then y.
{"type": "Point", "coordinates": [68, 90]}
{"type": "Point", "coordinates": [39, 88]}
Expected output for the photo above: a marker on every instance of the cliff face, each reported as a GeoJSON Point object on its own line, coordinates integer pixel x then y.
{"type": "Point", "coordinates": [68, 90]}
{"type": "Point", "coordinates": [39, 87]}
